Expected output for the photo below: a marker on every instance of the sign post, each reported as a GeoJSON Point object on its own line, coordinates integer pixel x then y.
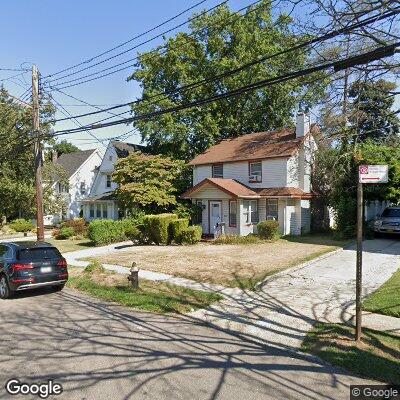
{"type": "Point", "coordinates": [366, 174]}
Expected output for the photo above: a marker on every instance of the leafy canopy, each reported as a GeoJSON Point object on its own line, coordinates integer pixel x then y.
{"type": "Point", "coordinates": [371, 110]}
{"type": "Point", "coordinates": [219, 42]}
{"type": "Point", "coordinates": [147, 181]}
{"type": "Point", "coordinates": [65, 147]}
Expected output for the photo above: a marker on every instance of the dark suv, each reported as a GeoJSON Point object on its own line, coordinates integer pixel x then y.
{"type": "Point", "coordinates": [30, 265]}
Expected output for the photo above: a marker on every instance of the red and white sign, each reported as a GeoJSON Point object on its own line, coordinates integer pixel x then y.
{"type": "Point", "coordinates": [373, 173]}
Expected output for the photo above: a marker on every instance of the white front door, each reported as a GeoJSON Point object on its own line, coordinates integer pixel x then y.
{"type": "Point", "coordinates": [215, 215]}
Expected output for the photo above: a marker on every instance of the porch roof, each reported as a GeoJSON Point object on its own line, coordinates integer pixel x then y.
{"type": "Point", "coordinates": [229, 186]}
{"type": "Point", "coordinates": [238, 190]}
{"type": "Point", "coordinates": [102, 197]}
{"type": "Point", "coordinates": [288, 192]}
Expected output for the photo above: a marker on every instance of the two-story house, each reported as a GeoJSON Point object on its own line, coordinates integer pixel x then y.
{"type": "Point", "coordinates": [256, 177]}
{"type": "Point", "coordinates": [101, 202]}
{"type": "Point", "coordinates": [81, 168]}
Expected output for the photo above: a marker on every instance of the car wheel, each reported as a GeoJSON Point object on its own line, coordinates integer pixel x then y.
{"type": "Point", "coordinates": [5, 291]}
{"type": "Point", "coordinates": [58, 288]}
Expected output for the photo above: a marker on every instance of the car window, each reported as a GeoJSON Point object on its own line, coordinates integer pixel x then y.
{"type": "Point", "coordinates": [38, 254]}
{"type": "Point", "coordinates": [391, 213]}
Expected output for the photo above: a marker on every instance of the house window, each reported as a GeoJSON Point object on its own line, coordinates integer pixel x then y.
{"type": "Point", "coordinates": [218, 171]}
{"type": "Point", "coordinates": [108, 181]}
{"type": "Point", "coordinates": [110, 158]}
{"type": "Point", "coordinates": [199, 212]}
{"type": "Point", "coordinates": [250, 211]}
{"type": "Point", "coordinates": [83, 188]}
{"type": "Point", "coordinates": [98, 211]}
{"type": "Point", "coordinates": [232, 213]}
{"type": "Point", "coordinates": [255, 171]}
{"type": "Point", "coordinates": [91, 211]}
{"type": "Point", "coordinates": [105, 211]}
{"type": "Point", "coordinates": [272, 209]}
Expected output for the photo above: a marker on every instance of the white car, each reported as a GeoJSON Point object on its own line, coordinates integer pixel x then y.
{"type": "Point", "coordinates": [388, 221]}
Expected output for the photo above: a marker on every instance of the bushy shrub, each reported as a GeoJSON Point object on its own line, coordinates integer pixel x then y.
{"type": "Point", "coordinates": [236, 239]}
{"type": "Point", "coordinates": [65, 233]}
{"type": "Point", "coordinates": [133, 233]}
{"type": "Point", "coordinates": [268, 230]}
{"type": "Point", "coordinates": [177, 227]}
{"type": "Point", "coordinates": [190, 235]}
{"type": "Point", "coordinates": [106, 231]}
{"type": "Point", "coordinates": [79, 226]}
{"type": "Point", "coordinates": [94, 266]}
{"type": "Point", "coordinates": [156, 228]}
{"type": "Point", "coordinates": [21, 225]}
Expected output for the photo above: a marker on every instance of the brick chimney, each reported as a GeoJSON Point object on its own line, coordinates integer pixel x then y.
{"type": "Point", "coordinates": [303, 124]}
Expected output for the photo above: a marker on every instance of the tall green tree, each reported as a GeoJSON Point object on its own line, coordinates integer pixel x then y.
{"type": "Point", "coordinates": [65, 147]}
{"type": "Point", "coordinates": [372, 110]}
{"type": "Point", "coordinates": [17, 155]}
{"type": "Point", "coordinates": [219, 42]}
{"type": "Point", "coordinates": [148, 182]}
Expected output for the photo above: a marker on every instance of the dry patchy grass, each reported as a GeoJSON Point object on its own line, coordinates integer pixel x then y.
{"type": "Point", "coordinates": [231, 265]}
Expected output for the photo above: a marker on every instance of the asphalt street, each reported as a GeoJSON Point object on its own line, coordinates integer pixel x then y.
{"type": "Point", "coordinates": [97, 350]}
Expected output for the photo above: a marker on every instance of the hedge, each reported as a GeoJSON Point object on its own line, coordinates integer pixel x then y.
{"type": "Point", "coordinates": [176, 228]}
{"type": "Point", "coordinates": [268, 230]}
{"type": "Point", "coordinates": [106, 231]}
{"type": "Point", "coordinates": [156, 228]}
{"type": "Point", "coordinates": [191, 235]}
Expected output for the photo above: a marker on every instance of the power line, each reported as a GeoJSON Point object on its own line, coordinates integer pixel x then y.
{"type": "Point", "coordinates": [369, 56]}
{"type": "Point", "coordinates": [128, 41]}
{"type": "Point", "coordinates": [140, 44]}
{"type": "Point", "coordinates": [65, 83]}
{"type": "Point", "coordinates": [299, 46]}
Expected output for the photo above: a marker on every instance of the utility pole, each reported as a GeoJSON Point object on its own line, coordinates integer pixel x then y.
{"type": "Point", "coordinates": [38, 154]}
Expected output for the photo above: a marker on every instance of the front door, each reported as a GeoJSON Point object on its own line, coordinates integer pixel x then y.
{"type": "Point", "coordinates": [215, 215]}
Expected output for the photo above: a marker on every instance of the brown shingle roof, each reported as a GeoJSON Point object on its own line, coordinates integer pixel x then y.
{"type": "Point", "coordinates": [260, 145]}
{"type": "Point", "coordinates": [284, 192]}
{"type": "Point", "coordinates": [230, 186]}
{"type": "Point", "coordinates": [123, 149]}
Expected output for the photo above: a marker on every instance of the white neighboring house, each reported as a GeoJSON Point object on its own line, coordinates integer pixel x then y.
{"type": "Point", "coordinates": [255, 177]}
{"type": "Point", "coordinates": [81, 168]}
{"type": "Point", "coordinates": [101, 202]}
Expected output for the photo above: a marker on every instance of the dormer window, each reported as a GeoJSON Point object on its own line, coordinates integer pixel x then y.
{"type": "Point", "coordinates": [218, 171]}
{"type": "Point", "coordinates": [108, 181]}
{"type": "Point", "coordinates": [255, 171]}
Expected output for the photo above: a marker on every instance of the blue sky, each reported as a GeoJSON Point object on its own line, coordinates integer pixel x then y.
{"type": "Point", "coordinates": [57, 34]}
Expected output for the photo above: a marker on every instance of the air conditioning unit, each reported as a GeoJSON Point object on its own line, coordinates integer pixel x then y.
{"type": "Point", "coordinates": [271, 218]}
{"type": "Point", "coordinates": [255, 178]}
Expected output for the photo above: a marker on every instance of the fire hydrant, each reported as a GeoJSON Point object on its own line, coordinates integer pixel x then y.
{"type": "Point", "coordinates": [134, 276]}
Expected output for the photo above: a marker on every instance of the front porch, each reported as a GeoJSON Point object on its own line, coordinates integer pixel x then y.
{"type": "Point", "coordinates": [100, 207]}
{"type": "Point", "coordinates": [239, 209]}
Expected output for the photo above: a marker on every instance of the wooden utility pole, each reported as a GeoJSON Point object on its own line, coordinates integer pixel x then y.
{"type": "Point", "coordinates": [360, 214]}
{"type": "Point", "coordinates": [38, 154]}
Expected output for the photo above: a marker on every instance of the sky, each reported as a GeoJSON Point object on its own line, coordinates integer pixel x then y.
{"type": "Point", "coordinates": [57, 34]}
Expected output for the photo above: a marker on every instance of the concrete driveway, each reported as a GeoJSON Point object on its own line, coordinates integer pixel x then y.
{"type": "Point", "coordinates": [100, 351]}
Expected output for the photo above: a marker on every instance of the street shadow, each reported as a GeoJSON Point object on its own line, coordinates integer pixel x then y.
{"type": "Point", "coordinates": [95, 348]}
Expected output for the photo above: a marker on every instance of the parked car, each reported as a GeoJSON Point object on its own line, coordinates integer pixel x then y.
{"type": "Point", "coordinates": [388, 221]}
{"type": "Point", "coordinates": [30, 265]}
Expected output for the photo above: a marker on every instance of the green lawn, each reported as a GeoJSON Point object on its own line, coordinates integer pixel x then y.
{"type": "Point", "coordinates": [376, 357]}
{"type": "Point", "coordinates": [386, 300]}
{"type": "Point", "coordinates": [70, 244]}
{"type": "Point", "coordinates": [152, 296]}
